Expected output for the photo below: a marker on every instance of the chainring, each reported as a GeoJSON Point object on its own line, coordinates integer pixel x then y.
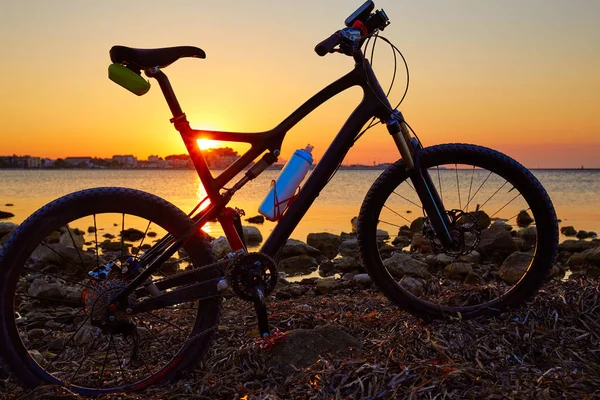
{"type": "Point", "coordinates": [248, 270]}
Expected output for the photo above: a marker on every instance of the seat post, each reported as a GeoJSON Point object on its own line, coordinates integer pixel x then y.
{"type": "Point", "coordinates": [167, 90]}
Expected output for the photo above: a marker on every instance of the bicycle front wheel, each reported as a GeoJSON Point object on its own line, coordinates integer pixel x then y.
{"type": "Point", "coordinates": [54, 323]}
{"type": "Point", "coordinates": [500, 214]}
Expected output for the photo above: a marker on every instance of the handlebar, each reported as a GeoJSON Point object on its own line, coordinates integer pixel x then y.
{"type": "Point", "coordinates": [327, 45]}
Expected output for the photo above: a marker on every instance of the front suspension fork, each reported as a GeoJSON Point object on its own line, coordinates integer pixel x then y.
{"type": "Point", "coordinates": [420, 178]}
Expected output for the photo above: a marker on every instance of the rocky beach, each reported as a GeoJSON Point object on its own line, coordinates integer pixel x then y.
{"type": "Point", "coordinates": [337, 336]}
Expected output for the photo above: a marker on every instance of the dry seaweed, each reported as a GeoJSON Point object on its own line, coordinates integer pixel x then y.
{"type": "Point", "coordinates": [548, 348]}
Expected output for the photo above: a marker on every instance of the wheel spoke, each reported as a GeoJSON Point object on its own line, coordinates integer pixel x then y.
{"type": "Point", "coordinates": [470, 186]}
{"type": "Point", "coordinates": [104, 362]}
{"type": "Point", "coordinates": [398, 214]}
{"type": "Point", "coordinates": [502, 208]}
{"type": "Point", "coordinates": [96, 241]}
{"type": "Point", "coordinates": [155, 337]}
{"type": "Point", "coordinates": [494, 194]}
{"type": "Point", "coordinates": [122, 234]}
{"type": "Point", "coordinates": [85, 356]}
{"type": "Point", "coordinates": [35, 272]}
{"type": "Point", "coordinates": [76, 247]}
{"type": "Point", "coordinates": [51, 331]}
{"type": "Point", "coordinates": [112, 341]}
{"type": "Point", "coordinates": [440, 183]}
{"type": "Point", "coordinates": [479, 188]}
{"type": "Point", "coordinates": [67, 342]}
{"type": "Point", "coordinates": [408, 200]}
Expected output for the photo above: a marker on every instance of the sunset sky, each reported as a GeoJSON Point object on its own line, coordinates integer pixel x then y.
{"type": "Point", "coordinates": [519, 76]}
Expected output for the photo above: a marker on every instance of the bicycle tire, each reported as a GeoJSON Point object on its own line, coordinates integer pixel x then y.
{"type": "Point", "coordinates": [479, 157]}
{"type": "Point", "coordinates": [68, 208]}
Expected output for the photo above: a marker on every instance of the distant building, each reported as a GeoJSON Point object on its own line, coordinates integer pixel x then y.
{"type": "Point", "coordinates": [15, 161]}
{"type": "Point", "coordinates": [79, 161]}
{"type": "Point", "coordinates": [127, 161]}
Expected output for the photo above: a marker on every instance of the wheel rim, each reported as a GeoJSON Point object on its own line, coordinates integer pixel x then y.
{"type": "Point", "coordinates": [453, 284]}
{"type": "Point", "coordinates": [54, 298]}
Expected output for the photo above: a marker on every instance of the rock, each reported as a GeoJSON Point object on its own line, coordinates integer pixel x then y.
{"type": "Point", "coordinates": [472, 258]}
{"type": "Point", "coordinates": [132, 235]}
{"type": "Point", "coordinates": [362, 280]}
{"type": "Point", "coordinates": [108, 245]}
{"type": "Point", "coordinates": [252, 235]}
{"type": "Point", "coordinates": [515, 266]}
{"type": "Point", "coordinates": [66, 258]}
{"type": "Point", "coordinates": [6, 215]}
{"type": "Point", "coordinates": [521, 244]}
{"type": "Point", "coordinates": [347, 236]}
{"type": "Point", "coordinates": [568, 231]}
{"type": "Point", "coordinates": [401, 264]}
{"type": "Point", "coordinates": [298, 265]}
{"type": "Point", "coordinates": [458, 270]}
{"type": "Point", "coordinates": [524, 219]}
{"type": "Point", "coordinates": [417, 225]}
{"type": "Point", "coordinates": [84, 336]}
{"type": "Point", "coordinates": [405, 231]}
{"type": "Point", "coordinates": [91, 229]}
{"type": "Point", "coordinates": [36, 333]}
{"type": "Point", "coordinates": [327, 285]}
{"type": "Point", "coordinates": [354, 223]}
{"type": "Point", "coordinates": [326, 268]}
{"type": "Point", "coordinates": [40, 287]}
{"type": "Point", "coordinates": [577, 246]}
{"type": "Point", "coordinates": [7, 228]}
{"type": "Point", "coordinates": [386, 250]}
{"type": "Point", "coordinates": [57, 344]}
{"type": "Point", "coordinates": [420, 243]}
{"type": "Point", "coordinates": [304, 347]}
{"type": "Point", "coordinates": [346, 264]}
{"type": "Point", "coordinates": [380, 234]}
{"type": "Point", "coordinates": [413, 285]}
{"type": "Point", "coordinates": [170, 267]}
{"type": "Point", "coordinates": [110, 236]}
{"type": "Point", "coordinates": [73, 237]}
{"type": "Point", "coordinates": [483, 220]}
{"type": "Point", "coordinates": [349, 248]}
{"type": "Point", "coordinates": [582, 235]}
{"type": "Point", "coordinates": [327, 243]}
{"type": "Point", "coordinates": [402, 241]}
{"type": "Point", "coordinates": [593, 257]}
{"type": "Point", "coordinates": [592, 234]}
{"type": "Point", "coordinates": [37, 356]}
{"type": "Point", "coordinates": [297, 248]}
{"type": "Point", "coordinates": [439, 260]}
{"type": "Point", "coordinates": [529, 235]}
{"type": "Point", "coordinates": [151, 234]}
{"type": "Point", "coordinates": [221, 247]}
{"type": "Point", "coordinates": [474, 279]}
{"type": "Point", "coordinates": [9, 205]}
{"type": "Point", "coordinates": [259, 219]}
{"type": "Point", "coordinates": [496, 243]}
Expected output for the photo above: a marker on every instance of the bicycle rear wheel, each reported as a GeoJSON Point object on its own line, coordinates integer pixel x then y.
{"type": "Point", "coordinates": [54, 324]}
{"type": "Point", "coordinates": [500, 213]}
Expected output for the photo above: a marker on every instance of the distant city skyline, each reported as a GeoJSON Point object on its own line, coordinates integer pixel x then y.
{"type": "Point", "coordinates": [517, 76]}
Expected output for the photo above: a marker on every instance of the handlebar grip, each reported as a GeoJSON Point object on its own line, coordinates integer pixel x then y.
{"type": "Point", "coordinates": [327, 45]}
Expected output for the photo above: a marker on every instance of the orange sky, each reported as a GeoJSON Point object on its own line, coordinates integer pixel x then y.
{"type": "Point", "coordinates": [518, 76]}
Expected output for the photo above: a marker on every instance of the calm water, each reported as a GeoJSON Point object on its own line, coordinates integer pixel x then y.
{"type": "Point", "coordinates": [576, 194]}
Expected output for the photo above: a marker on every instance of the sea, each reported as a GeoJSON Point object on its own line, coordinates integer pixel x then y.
{"type": "Point", "coordinates": [574, 193]}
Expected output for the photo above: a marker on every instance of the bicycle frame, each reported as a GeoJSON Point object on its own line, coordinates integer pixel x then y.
{"type": "Point", "coordinates": [373, 104]}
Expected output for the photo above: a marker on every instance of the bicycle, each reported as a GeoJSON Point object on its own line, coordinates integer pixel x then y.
{"type": "Point", "coordinates": [160, 281]}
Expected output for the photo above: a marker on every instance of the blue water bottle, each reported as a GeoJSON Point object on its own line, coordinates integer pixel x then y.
{"type": "Point", "coordinates": [286, 184]}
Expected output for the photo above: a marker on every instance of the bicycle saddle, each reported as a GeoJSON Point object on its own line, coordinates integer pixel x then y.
{"type": "Point", "coordinates": [148, 58]}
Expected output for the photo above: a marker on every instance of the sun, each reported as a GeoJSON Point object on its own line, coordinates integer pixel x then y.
{"type": "Point", "coordinates": [205, 144]}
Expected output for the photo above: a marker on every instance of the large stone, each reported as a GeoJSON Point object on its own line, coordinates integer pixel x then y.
{"type": "Point", "coordinates": [346, 264]}
{"type": "Point", "coordinates": [252, 235]}
{"type": "Point", "coordinates": [326, 243]}
{"type": "Point", "coordinates": [577, 246]}
{"type": "Point", "coordinates": [304, 347]}
{"type": "Point", "coordinates": [68, 259]}
{"type": "Point", "coordinates": [220, 247]}
{"type": "Point", "coordinates": [6, 215]}
{"type": "Point", "coordinates": [483, 220]}
{"type": "Point", "coordinates": [524, 219]}
{"type": "Point", "coordinates": [6, 228]}
{"type": "Point", "coordinates": [259, 219]}
{"type": "Point", "coordinates": [568, 231]}
{"type": "Point", "coordinates": [402, 241]}
{"type": "Point", "coordinates": [84, 336]}
{"type": "Point", "coordinates": [401, 264]}
{"type": "Point", "coordinates": [132, 235]}
{"type": "Point", "coordinates": [515, 266]}
{"type": "Point", "coordinates": [380, 234]}
{"type": "Point", "coordinates": [405, 231]}
{"type": "Point", "coordinates": [582, 235]}
{"type": "Point", "coordinates": [41, 288]}
{"type": "Point", "coordinates": [439, 260]}
{"type": "Point", "coordinates": [298, 265]}
{"type": "Point", "coordinates": [413, 285]}
{"type": "Point", "coordinates": [496, 243]}
{"type": "Point", "coordinates": [362, 280]}
{"type": "Point", "coordinates": [297, 248]}
{"type": "Point", "coordinates": [328, 285]}
{"type": "Point", "coordinates": [458, 270]}
{"type": "Point", "coordinates": [349, 248]}
{"type": "Point", "coordinates": [417, 225]}
{"type": "Point", "coordinates": [529, 235]}
{"type": "Point", "coordinates": [72, 238]}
